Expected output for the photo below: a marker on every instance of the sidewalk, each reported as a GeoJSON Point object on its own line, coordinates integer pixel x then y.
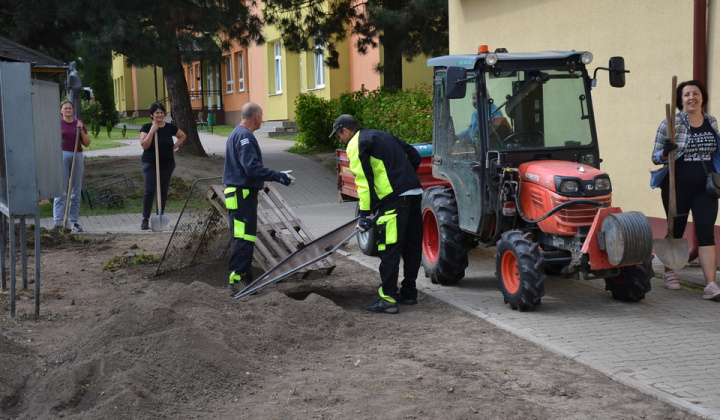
{"type": "Point", "coordinates": [664, 345]}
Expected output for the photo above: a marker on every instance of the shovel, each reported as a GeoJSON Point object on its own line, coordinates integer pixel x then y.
{"type": "Point", "coordinates": [70, 181]}
{"type": "Point", "coordinates": [159, 222]}
{"type": "Point", "coordinates": [673, 253]}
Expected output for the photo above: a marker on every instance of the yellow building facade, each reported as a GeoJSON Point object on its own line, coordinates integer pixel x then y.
{"type": "Point", "coordinates": [273, 77]}
{"type": "Point", "coordinates": [136, 88]}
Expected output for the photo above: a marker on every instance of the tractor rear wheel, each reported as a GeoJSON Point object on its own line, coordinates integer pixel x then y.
{"type": "Point", "coordinates": [632, 284]}
{"type": "Point", "coordinates": [445, 247]}
{"type": "Point", "coordinates": [520, 271]}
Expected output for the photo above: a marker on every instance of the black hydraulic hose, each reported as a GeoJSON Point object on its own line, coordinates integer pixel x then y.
{"type": "Point", "coordinates": [557, 209]}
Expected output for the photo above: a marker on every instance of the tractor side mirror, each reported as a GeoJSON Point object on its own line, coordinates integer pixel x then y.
{"type": "Point", "coordinates": [455, 82]}
{"type": "Point", "coordinates": [617, 72]}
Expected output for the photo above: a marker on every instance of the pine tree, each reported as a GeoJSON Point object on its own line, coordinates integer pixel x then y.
{"type": "Point", "coordinates": [164, 33]}
{"type": "Point", "coordinates": [405, 28]}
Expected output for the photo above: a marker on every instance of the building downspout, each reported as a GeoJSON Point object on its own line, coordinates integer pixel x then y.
{"type": "Point", "coordinates": [700, 41]}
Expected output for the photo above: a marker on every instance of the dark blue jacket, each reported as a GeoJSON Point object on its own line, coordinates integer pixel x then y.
{"type": "Point", "coordinates": [243, 161]}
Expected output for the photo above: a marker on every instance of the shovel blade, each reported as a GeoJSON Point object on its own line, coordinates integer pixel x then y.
{"type": "Point", "coordinates": [673, 253]}
{"type": "Point", "coordinates": [159, 223]}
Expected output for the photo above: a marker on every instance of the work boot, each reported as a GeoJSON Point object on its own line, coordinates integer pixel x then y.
{"type": "Point", "coordinates": [232, 289]}
{"type": "Point", "coordinates": [246, 283]}
{"type": "Point", "coordinates": [77, 228]}
{"type": "Point", "coordinates": [144, 225]}
{"type": "Point", "coordinates": [382, 306]}
{"type": "Point", "coordinates": [407, 298]}
{"type": "Point", "coordinates": [58, 224]}
{"type": "Point", "coordinates": [407, 301]}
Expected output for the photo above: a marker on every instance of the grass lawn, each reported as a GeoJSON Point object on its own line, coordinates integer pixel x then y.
{"type": "Point", "coordinates": [133, 203]}
{"type": "Point", "coordinates": [130, 205]}
{"type": "Point", "coordinates": [103, 141]}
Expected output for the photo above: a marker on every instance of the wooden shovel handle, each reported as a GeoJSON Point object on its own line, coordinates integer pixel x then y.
{"type": "Point", "coordinates": [157, 175]}
{"type": "Point", "coordinates": [72, 176]}
{"type": "Point", "coordinates": [672, 196]}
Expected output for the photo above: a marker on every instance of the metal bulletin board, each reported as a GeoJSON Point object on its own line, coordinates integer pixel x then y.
{"type": "Point", "coordinates": [48, 143]}
{"type": "Point", "coordinates": [18, 195]}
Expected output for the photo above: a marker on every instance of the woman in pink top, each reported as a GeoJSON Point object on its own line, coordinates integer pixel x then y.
{"type": "Point", "coordinates": [69, 126]}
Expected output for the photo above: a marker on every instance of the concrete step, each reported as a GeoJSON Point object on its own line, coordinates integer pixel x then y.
{"type": "Point", "coordinates": [277, 129]}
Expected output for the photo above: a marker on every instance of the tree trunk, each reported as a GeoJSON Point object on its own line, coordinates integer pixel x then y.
{"type": "Point", "coordinates": [392, 50]}
{"type": "Point", "coordinates": [182, 113]}
{"type": "Point", "coordinates": [392, 64]}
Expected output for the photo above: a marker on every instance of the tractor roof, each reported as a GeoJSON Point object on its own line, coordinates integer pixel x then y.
{"type": "Point", "coordinates": [469, 61]}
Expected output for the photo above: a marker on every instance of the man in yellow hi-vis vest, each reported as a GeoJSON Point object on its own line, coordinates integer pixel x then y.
{"type": "Point", "coordinates": [385, 169]}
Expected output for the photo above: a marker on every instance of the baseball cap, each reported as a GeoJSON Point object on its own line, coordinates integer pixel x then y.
{"type": "Point", "coordinates": [343, 121]}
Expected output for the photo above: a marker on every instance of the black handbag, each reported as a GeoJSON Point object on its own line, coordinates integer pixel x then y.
{"type": "Point", "coordinates": [712, 183]}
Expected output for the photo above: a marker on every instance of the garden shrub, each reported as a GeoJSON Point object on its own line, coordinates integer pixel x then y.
{"type": "Point", "coordinates": [312, 115]}
{"type": "Point", "coordinates": [95, 117]}
{"type": "Point", "coordinates": [92, 116]}
{"type": "Point", "coordinates": [405, 113]}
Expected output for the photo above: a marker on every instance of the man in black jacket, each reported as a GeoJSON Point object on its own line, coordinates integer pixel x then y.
{"type": "Point", "coordinates": [243, 176]}
{"type": "Point", "coordinates": [385, 169]}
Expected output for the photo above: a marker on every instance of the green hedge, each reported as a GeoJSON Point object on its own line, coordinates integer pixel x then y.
{"type": "Point", "coordinates": [405, 113]}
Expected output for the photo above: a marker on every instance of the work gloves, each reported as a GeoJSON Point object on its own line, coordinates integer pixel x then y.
{"type": "Point", "coordinates": [668, 147]}
{"type": "Point", "coordinates": [364, 224]}
{"type": "Point", "coordinates": [285, 178]}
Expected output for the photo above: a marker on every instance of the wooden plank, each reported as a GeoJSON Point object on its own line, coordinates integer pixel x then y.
{"type": "Point", "coordinates": [279, 202]}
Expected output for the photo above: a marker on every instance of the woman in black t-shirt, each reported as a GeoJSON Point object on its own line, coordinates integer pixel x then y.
{"type": "Point", "coordinates": [166, 147]}
{"type": "Point", "coordinates": [697, 153]}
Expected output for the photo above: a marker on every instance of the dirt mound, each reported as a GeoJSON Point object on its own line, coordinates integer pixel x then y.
{"type": "Point", "coordinates": [123, 343]}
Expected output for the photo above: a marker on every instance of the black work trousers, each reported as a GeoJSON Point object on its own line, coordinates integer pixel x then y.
{"type": "Point", "coordinates": [150, 184]}
{"type": "Point", "coordinates": [692, 198]}
{"type": "Point", "coordinates": [399, 231]}
{"type": "Point", "coordinates": [243, 228]}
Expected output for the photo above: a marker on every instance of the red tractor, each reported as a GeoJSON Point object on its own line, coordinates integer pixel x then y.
{"type": "Point", "coordinates": [515, 142]}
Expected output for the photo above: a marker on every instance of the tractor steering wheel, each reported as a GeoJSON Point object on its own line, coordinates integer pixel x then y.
{"type": "Point", "coordinates": [528, 137]}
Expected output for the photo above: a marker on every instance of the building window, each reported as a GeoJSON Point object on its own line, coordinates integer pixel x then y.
{"type": "Point", "coordinates": [198, 77]}
{"type": "Point", "coordinates": [241, 71]}
{"type": "Point", "coordinates": [278, 67]}
{"type": "Point", "coordinates": [228, 74]}
{"type": "Point", "coordinates": [319, 51]}
{"type": "Point", "coordinates": [192, 77]}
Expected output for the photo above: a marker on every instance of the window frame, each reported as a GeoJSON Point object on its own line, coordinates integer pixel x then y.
{"type": "Point", "coordinates": [229, 75]}
{"type": "Point", "coordinates": [319, 64]}
{"type": "Point", "coordinates": [241, 71]}
{"type": "Point", "coordinates": [277, 50]}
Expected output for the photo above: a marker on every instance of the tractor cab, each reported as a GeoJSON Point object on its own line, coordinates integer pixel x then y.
{"type": "Point", "coordinates": [499, 110]}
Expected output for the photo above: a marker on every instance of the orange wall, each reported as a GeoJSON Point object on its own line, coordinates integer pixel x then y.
{"type": "Point", "coordinates": [361, 70]}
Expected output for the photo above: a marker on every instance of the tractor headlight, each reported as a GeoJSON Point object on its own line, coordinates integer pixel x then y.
{"type": "Point", "coordinates": [491, 59]}
{"type": "Point", "coordinates": [602, 184]}
{"type": "Point", "coordinates": [586, 58]}
{"type": "Point", "coordinates": [569, 186]}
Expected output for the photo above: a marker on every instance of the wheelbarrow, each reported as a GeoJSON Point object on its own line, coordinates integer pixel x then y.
{"type": "Point", "coordinates": [310, 253]}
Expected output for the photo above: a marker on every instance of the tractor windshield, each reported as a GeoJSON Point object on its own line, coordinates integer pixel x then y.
{"type": "Point", "coordinates": [538, 109]}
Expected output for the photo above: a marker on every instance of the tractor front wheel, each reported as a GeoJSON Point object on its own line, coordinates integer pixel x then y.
{"type": "Point", "coordinates": [445, 247]}
{"type": "Point", "coordinates": [519, 265]}
{"type": "Point", "coordinates": [632, 284]}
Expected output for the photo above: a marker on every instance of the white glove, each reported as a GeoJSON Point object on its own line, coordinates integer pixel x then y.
{"type": "Point", "coordinates": [292, 178]}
